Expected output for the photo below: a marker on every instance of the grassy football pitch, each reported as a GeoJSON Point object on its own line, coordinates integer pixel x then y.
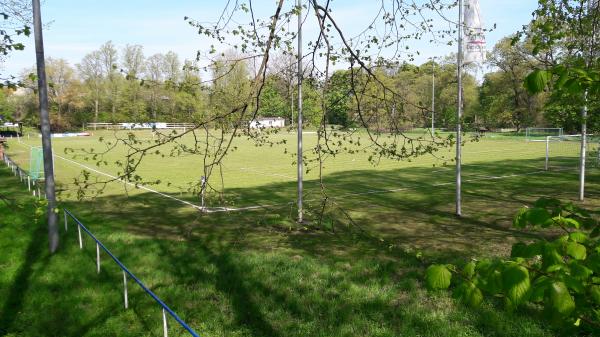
{"type": "Point", "coordinates": [255, 272]}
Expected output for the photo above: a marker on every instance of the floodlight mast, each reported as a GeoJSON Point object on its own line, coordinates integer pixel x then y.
{"type": "Point", "coordinates": [433, 96]}
{"type": "Point", "coordinates": [591, 6]}
{"type": "Point", "coordinates": [45, 128]}
{"type": "Point", "coordinates": [299, 112]}
{"type": "Point", "coordinates": [459, 58]}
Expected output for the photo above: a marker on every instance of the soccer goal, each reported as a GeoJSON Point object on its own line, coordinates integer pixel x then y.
{"type": "Point", "coordinates": [564, 152]}
{"type": "Point", "coordinates": [36, 163]}
{"type": "Point", "coordinates": [540, 134]}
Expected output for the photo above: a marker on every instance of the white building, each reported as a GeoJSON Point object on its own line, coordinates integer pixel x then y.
{"type": "Point", "coordinates": [267, 122]}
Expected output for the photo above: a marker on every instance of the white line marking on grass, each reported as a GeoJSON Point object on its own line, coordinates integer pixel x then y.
{"type": "Point", "coordinates": [123, 181]}
{"type": "Point", "coordinates": [255, 171]}
{"type": "Point", "coordinates": [224, 209]}
{"type": "Point", "coordinates": [142, 187]}
{"type": "Point", "coordinates": [237, 209]}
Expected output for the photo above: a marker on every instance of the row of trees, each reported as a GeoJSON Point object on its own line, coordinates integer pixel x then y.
{"type": "Point", "coordinates": [112, 85]}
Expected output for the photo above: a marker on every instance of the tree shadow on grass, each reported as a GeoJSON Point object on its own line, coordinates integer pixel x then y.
{"type": "Point", "coordinates": [230, 280]}
{"type": "Point", "coordinates": [21, 282]}
{"type": "Point", "coordinates": [419, 214]}
{"type": "Point", "coordinates": [277, 278]}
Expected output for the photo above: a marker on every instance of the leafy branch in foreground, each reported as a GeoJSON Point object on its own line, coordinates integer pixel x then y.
{"type": "Point", "coordinates": [8, 43]}
{"type": "Point", "coordinates": [252, 55]}
{"type": "Point", "coordinates": [562, 275]}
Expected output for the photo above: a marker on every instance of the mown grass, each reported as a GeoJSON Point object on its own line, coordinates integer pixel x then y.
{"type": "Point", "coordinates": [249, 165]}
{"type": "Point", "coordinates": [258, 274]}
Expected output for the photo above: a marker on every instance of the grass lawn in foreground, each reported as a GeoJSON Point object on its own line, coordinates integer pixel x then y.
{"type": "Point", "coordinates": [258, 274]}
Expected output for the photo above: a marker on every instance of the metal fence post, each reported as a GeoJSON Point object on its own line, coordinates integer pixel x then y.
{"type": "Point", "coordinates": [125, 289]}
{"type": "Point", "coordinates": [66, 226]}
{"type": "Point", "coordinates": [547, 152]}
{"type": "Point", "coordinates": [165, 327]}
{"type": "Point", "coordinates": [126, 275]}
{"type": "Point", "coordinates": [29, 183]}
{"type": "Point", "coordinates": [80, 240]}
{"type": "Point", "coordinates": [98, 257]}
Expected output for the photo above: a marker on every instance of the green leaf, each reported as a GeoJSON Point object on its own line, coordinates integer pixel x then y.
{"type": "Point", "coordinates": [547, 203]}
{"type": "Point", "coordinates": [490, 277]}
{"type": "Point", "coordinates": [562, 79]}
{"type": "Point", "coordinates": [573, 86]}
{"type": "Point", "coordinates": [537, 80]}
{"type": "Point", "coordinates": [469, 294]}
{"type": "Point", "coordinates": [550, 256]}
{"type": "Point", "coordinates": [520, 220]}
{"type": "Point", "coordinates": [559, 301]}
{"type": "Point", "coordinates": [596, 232]}
{"type": "Point", "coordinates": [538, 288]}
{"type": "Point", "coordinates": [589, 223]}
{"type": "Point", "coordinates": [516, 284]}
{"type": "Point", "coordinates": [555, 267]}
{"type": "Point", "coordinates": [469, 270]}
{"type": "Point", "coordinates": [566, 222]}
{"type": "Point", "coordinates": [593, 261]}
{"type": "Point", "coordinates": [576, 250]}
{"type": "Point", "coordinates": [580, 271]}
{"type": "Point", "coordinates": [573, 284]}
{"type": "Point", "coordinates": [595, 293]}
{"type": "Point", "coordinates": [578, 237]}
{"type": "Point", "coordinates": [575, 210]}
{"type": "Point", "coordinates": [438, 277]}
{"type": "Point", "coordinates": [538, 216]}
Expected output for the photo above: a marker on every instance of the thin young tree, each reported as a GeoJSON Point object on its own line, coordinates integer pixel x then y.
{"type": "Point", "coordinates": [374, 100]}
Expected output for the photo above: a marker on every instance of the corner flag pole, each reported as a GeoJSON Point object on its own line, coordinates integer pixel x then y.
{"type": "Point", "coordinates": [300, 71]}
{"type": "Point", "coordinates": [459, 59]}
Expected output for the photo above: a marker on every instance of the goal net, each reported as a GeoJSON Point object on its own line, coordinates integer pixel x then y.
{"type": "Point", "coordinates": [540, 134]}
{"type": "Point", "coordinates": [563, 152]}
{"type": "Point", "coordinates": [36, 163]}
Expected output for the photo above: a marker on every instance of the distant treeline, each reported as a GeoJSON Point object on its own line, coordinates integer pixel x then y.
{"type": "Point", "coordinates": [117, 85]}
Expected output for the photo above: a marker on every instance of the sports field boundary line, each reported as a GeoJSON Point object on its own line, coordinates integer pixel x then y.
{"type": "Point", "coordinates": [142, 187]}
{"type": "Point", "coordinates": [222, 209]}
{"type": "Point", "coordinates": [400, 189]}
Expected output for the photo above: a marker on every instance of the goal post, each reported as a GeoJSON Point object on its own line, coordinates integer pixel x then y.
{"type": "Point", "coordinates": [564, 152]}
{"type": "Point", "coordinates": [540, 134]}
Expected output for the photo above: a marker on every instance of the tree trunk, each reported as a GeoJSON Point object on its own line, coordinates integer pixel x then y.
{"type": "Point", "coordinates": [96, 110]}
{"type": "Point", "coordinates": [153, 109]}
{"type": "Point", "coordinates": [113, 110]}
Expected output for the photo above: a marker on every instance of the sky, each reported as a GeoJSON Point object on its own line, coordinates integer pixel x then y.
{"type": "Point", "coordinates": [75, 28]}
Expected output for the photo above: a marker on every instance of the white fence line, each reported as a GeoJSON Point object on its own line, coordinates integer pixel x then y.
{"type": "Point", "coordinates": [139, 126]}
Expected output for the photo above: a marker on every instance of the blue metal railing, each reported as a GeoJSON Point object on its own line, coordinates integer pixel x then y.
{"type": "Point", "coordinates": [126, 271]}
